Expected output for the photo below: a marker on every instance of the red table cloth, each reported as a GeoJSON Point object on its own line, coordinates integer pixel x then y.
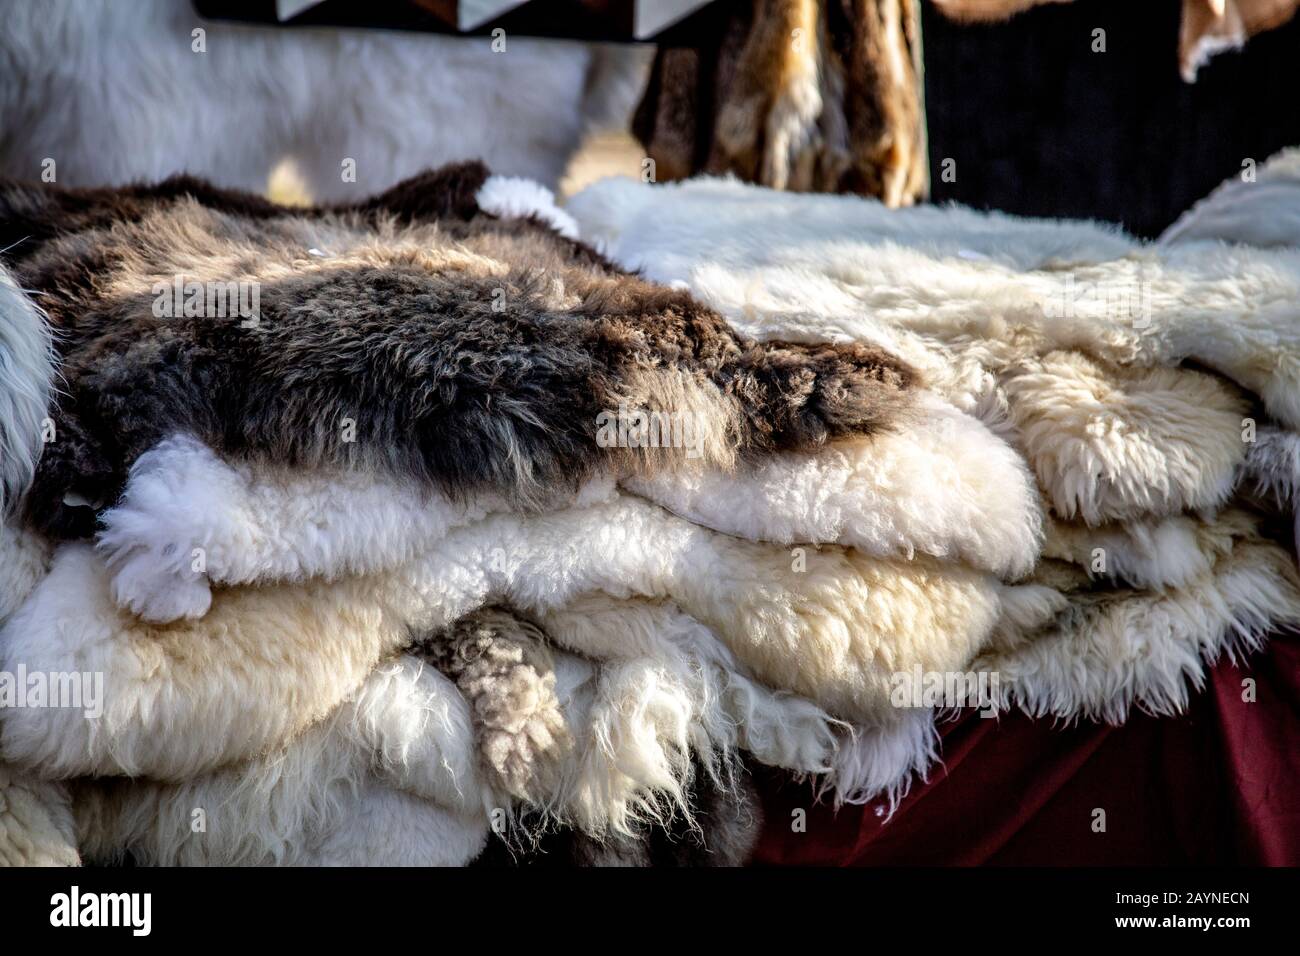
{"type": "Point", "coordinates": [1217, 785]}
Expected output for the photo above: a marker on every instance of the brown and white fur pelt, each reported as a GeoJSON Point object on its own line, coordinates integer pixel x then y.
{"type": "Point", "coordinates": [966, 297]}
{"type": "Point", "coordinates": [1171, 440]}
{"type": "Point", "coordinates": [413, 334]}
{"type": "Point", "coordinates": [945, 486]}
{"type": "Point", "coordinates": [117, 93]}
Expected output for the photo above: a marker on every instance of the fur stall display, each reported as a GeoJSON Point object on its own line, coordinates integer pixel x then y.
{"type": "Point", "coordinates": [1151, 389]}
{"type": "Point", "coordinates": [943, 443]}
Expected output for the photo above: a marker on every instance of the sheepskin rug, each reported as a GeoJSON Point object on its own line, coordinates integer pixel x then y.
{"type": "Point", "coordinates": [416, 334]}
{"type": "Point", "coordinates": [928, 482]}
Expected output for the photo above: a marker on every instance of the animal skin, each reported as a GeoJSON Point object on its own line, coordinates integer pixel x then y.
{"type": "Point", "coordinates": [667, 642]}
{"type": "Point", "coordinates": [964, 296]}
{"type": "Point", "coordinates": [667, 705]}
{"type": "Point", "coordinates": [944, 486]}
{"type": "Point", "coordinates": [387, 779]}
{"type": "Point", "coordinates": [503, 666]}
{"type": "Point", "coordinates": [411, 334]}
{"type": "Point", "coordinates": [391, 779]}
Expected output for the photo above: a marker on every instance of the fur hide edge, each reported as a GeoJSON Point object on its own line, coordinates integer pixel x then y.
{"type": "Point", "coordinates": [1108, 652]}
{"type": "Point", "coordinates": [1149, 554]}
{"type": "Point", "coordinates": [728, 828]}
{"type": "Point", "coordinates": [617, 214]}
{"type": "Point", "coordinates": [944, 485]}
{"type": "Point", "coordinates": [735, 712]}
{"type": "Point", "coordinates": [1272, 467]}
{"type": "Point", "coordinates": [502, 666]}
{"type": "Point", "coordinates": [264, 664]}
{"type": "Point", "coordinates": [1111, 651]}
{"type": "Point", "coordinates": [245, 524]}
{"type": "Point", "coordinates": [935, 284]}
{"type": "Point", "coordinates": [511, 197]}
{"type": "Point", "coordinates": [664, 706]}
{"type": "Point", "coordinates": [884, 760]}
{"type": "Point", "coordinates": [1264, 211]}
{"type": "Point", "coordinates": [640, 746]}
{"type": "Point", "coordinates": [26, 380]}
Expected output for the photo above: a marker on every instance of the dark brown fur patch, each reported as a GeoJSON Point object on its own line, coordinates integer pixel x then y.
{"type": "Point", "coordinates": [470, 353]}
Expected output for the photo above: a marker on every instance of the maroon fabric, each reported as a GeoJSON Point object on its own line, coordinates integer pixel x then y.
{"type": "Point", "coordinates": [1216, 785]}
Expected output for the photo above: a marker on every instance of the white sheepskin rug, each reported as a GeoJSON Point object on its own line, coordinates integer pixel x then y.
{"type": "Point", "coordinates": [1089, 504]}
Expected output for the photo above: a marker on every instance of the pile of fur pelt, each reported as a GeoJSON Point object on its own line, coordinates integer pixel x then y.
{"type": "Point", "coordinates": [369, 577]}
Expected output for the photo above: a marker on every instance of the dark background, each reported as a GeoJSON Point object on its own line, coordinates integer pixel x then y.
{"type": "Point", "coordinates": [1040, 125]}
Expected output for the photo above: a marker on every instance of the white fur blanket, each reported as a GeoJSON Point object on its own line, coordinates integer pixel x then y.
{"type": "Point", "coordinates": [1073, 508]}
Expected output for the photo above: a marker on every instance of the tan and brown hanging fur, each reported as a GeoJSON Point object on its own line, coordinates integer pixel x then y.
{"type": "Point", "coordinates": [796, 94]}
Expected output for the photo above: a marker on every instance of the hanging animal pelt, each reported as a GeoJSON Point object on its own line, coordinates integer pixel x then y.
{"type": "Point", "coordinates": [415, 334]}
{"type": "Point", "coordinates": [795, 94]}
